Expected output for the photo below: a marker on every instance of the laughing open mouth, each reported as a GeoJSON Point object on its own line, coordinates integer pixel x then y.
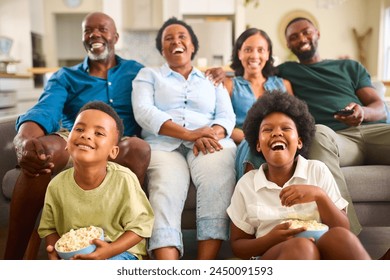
{"type": "Point", "coordinates": [305, 47]}
{"type": "Point", "coordinates": [96, 46]}
{"type": "Point", "coordinates": [278, 146]}
{"type": "Point", "coordinates": [178, 50]}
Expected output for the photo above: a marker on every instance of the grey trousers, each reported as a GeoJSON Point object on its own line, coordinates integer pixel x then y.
{"type": "Point", "coordinates": [361, 145]}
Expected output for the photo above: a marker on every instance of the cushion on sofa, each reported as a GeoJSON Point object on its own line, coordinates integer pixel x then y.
{"type": "Point", "coordinates": [368, 183]}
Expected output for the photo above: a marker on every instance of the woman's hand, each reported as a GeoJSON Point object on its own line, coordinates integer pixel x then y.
{"type": "Point", "coordinates": [206, 145]}
{"type": "Point", "coordinates": [297, 194]}
{"type": "Point", "coordinates": [205, 131]}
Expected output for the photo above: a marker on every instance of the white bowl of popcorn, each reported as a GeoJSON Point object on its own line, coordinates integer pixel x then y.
{"type": "Point", "coordinates": [77, 241]}
{"type": "Point", "coordinates": [314, 229]}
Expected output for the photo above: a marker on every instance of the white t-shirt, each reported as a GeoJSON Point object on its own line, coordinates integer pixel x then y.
{"type": "Point", "coordinates": [255, 205]}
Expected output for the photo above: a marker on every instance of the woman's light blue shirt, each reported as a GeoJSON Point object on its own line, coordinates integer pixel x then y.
{"type": "Point", "coordinates": [243, 97]}
{"type": "Point", "coordinates": [161, 94]}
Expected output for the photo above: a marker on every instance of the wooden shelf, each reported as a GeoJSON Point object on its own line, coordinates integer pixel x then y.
{"type": "Point", "coordinates": [42, 70]}
{"type": "Point", "coordinates": [15, 76]}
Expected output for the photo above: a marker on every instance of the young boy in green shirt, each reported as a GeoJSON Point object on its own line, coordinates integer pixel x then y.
{"type": "Point", "coordinates": [97, 192]}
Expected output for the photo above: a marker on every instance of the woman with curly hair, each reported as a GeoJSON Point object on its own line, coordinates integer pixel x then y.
{"type": "Point", "coordinates": [280, 128]}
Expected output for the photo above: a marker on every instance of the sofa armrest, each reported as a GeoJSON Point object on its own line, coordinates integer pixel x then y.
{"type": "Point", "coordinates": [7, 134]}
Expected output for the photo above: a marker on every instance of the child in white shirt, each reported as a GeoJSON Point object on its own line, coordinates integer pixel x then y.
{"type": "Point", "coordinates": [279, 127]}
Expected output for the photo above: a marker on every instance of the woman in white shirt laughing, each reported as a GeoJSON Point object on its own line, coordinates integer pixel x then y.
{"type": "Point", "coordinates": [187, 121]}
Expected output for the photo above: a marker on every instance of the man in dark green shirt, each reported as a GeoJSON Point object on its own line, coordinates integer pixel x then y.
{"type": "Point", "coordinates": [331, 85]}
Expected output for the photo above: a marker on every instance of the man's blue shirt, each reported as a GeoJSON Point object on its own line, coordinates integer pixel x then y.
{"type": "Point", "coordinates": [71, 87]}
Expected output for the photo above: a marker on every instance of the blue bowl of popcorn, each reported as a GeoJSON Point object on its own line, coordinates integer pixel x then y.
{"type": "Point", "coordinates": [313, 230]}
{"type": "Point", "coordinates": [77, 241]}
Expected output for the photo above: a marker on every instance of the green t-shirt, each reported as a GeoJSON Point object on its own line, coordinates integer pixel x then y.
{"type": "Point", "coordinates": [327, 86]}
{"type": "Point", "coordinates": [119, 204]}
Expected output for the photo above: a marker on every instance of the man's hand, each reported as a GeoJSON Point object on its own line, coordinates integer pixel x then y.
{"type": "Point", "coordinates": [355, 119]}
{"type": "Point", "coordinates": [31, 152]}
{"type": "Point", "coordinates": [32, 157]}
{"type": "Point", "coordinates": [216, 75]}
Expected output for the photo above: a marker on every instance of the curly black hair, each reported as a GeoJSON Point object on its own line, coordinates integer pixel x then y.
{"type": "Point", "coordinates": [105, 108]}
{"type": "Point", "coordinates": [174, 20]}
{"type": "Point", "coordinates": [269, 68]}
{"type": "Point", "coordinates": [279, 101]}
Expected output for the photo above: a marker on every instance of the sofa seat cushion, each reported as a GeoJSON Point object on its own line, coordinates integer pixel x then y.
{"type": "Point", "coordinates": [376, 240]}
{"type": "Point", "coordinates": [368, 182]}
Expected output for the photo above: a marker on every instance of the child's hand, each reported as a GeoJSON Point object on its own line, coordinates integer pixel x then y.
{"type": "Point", "coordinates": [98, 254]}
{"type": "Point", "coordinates": [282, 232]}
{"type": "Point", "coordinates": [51, 253]}
{"type": "Point", "coordinates": [297, 194]}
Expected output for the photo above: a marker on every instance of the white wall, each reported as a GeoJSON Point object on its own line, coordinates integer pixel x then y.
{"type": "Point", "coordinates": [69, 36]}
{"type": "Point", "coordinates": [54, 7]}
{"type": "Point", "coordinates": [114, 9]}
{"type": "Point", "coordinates": [335, 25]}
{"type": "Point", "coordinates": [15, 23]}
{"type": "Point", "coordinates": [36, 16]}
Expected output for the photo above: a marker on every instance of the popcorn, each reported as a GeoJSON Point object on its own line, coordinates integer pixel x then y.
{"type": "Point", "coordinates": [77, 239]}
{"type": "Point", "coordinates": [308, 224]}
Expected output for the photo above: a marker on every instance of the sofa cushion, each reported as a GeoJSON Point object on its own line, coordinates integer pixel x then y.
{"type": "Point", "coordinates": [368, 182]}
{"type": "Point", "coordinates": [373, 214]}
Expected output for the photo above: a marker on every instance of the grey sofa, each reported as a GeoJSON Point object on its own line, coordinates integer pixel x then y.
{"type": "Point", "coordinates": [369, 187]}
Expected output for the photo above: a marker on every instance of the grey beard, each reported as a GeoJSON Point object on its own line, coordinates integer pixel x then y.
{"type": "Point", "coordinates": [94, 57]}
